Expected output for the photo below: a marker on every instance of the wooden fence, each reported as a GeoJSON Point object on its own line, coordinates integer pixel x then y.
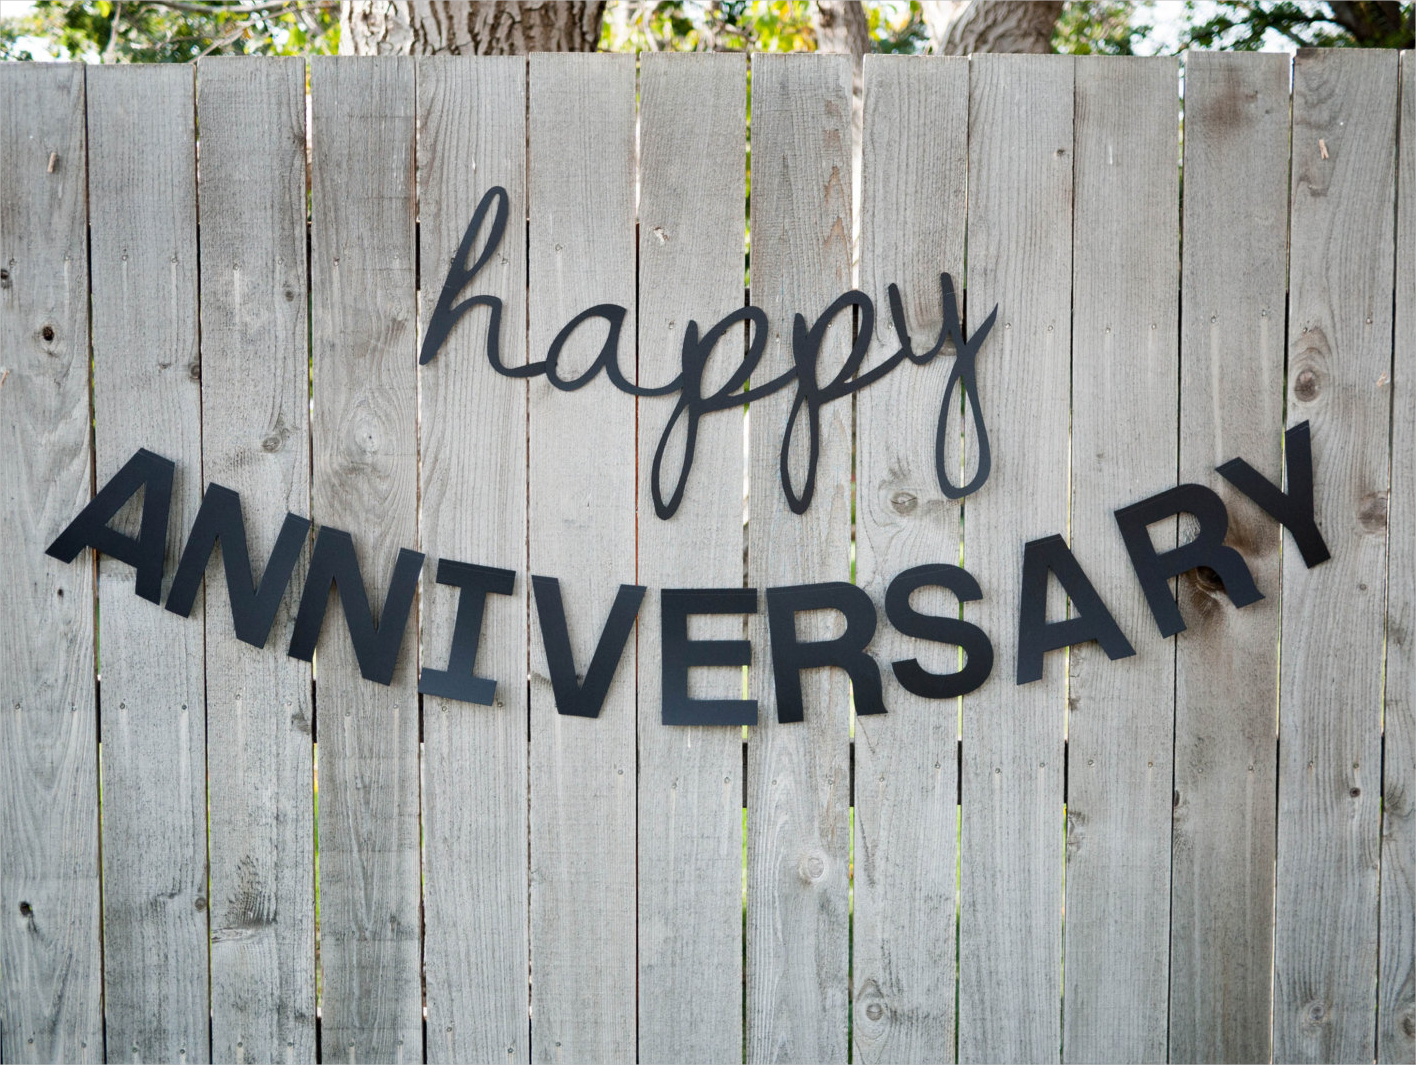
{"type": "Point", "coordinates": [1204, 852]}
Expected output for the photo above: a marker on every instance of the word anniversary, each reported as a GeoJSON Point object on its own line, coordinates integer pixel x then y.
{"type": "Point", "coordinates": [334, 566]}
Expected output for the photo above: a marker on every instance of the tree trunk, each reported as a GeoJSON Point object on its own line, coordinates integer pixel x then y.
{"type": "Point", "coordinates": [991, 26]}
{"type": "Point", "coordinates": [451, 27]}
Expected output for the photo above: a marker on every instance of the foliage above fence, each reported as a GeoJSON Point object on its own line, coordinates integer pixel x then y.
{"type": "Point", "coordinates": [283, 316]}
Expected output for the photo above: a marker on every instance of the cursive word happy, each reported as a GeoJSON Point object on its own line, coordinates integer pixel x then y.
{"type": "Point", "coordinates": [692, 404]}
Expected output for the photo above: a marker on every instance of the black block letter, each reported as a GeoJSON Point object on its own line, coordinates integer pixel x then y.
{"type": "Point", "coordinates": [847, 651]}
{"type": "Point", "coordinates": [978, 649]}
{"type": "Point", "coordinates": [1090, 619]}
{"type": "Point", "coordinates": [1294, 510]}
{"type": "Point", "coordinates": [572, 697]}
{"type": "Point", "coordinates": [459, 680]}
{"type": "Point", "coordinates": [153, 474]}
{"type": "Point", "coordinates": [333, 563]}
{"type": "Point", "coordinates": [1206, 549]}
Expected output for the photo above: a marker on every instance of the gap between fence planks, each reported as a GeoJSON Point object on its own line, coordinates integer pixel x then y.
{"type": "Point", "coordinates": [1396, 977]}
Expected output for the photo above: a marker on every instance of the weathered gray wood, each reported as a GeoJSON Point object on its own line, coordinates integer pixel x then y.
{"type": "Point", "coordinates": [1120, 731]}
{"type": "Point", "coordinates": [1019, 259]}
{"type": "Point", "coordinates": [798, 793]}
{"type": "Point", "coordinates": [692, 117]}
{"type": "Point", "coordinates": [582, 524]}
{"type": "Point", "coordinates": [147, 374]}
{"type": "Point", "coordinates": [906, 813]}
{"type": "Point", "coordinates": [471, 137]}
{"type": "Point", "coordinates": [1396, 979]}
{"type": "Point", "coordinates": [365, 480]}
{"type": "Point", "coordinates": [50, 976]}
{"type": "Point", "coordinates": [1231, 404]}
{"type": "Point", "coordinates": [255, 439]}
{"type": "Point", "coordinates": [1339, 354]}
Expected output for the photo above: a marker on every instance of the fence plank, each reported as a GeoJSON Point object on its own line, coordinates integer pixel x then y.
{"type": "Point", "coordinates": [255, 439]}
{"type": "Point", "coordinates": [142, 196]}
{"type": "Point", "coordinates": [1339, 337]}
{"type": "Point", "coordinates": [365, 480]}
{"type": "Point", "coordinates": [50, 996]}
{"type": "Point", "coordinates": [906, 762]}
{"type": "Point", "coordinates": [1120, 731]}
{"type": "Point", "coordinates": [692, 117]}
{"type": "Point", "coordinates": [798, 794]}
{"type": "Point", "coordinates": [1020, 259]}
{"type": "Point", "coordinates": [1396, 979]}
{"type": "Point", "coordinates": [471, 137]}
{"type": "Point", "coordinates": [582, 525]}
{"type": "Point", "coordinates": [1231, 403]}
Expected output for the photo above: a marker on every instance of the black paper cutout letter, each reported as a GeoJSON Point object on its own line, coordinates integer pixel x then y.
{"type": "Point", "coordinates": [459, 275]}
{"type": "Point", "coordinates": [978, 648]}
{"type": "Point", "coordinates": [334, 564]}
{"type": "Point", "coordinates": [459, 681]}
{"type": "Point", "coordinates": [1154, 570]}
{"type": "Point", "coordinates": [1090, 619]}
{"type": "Point", "coordinates": [680, 654]}
{"type": "Point", "coordinates": [847, 651]}
{"type": "Point", "coordinates": [253, 608]}
{"type": "Point", "coordinates": [153, 474]}
{"type": "Point", "coordinates": [1294, 510]}
{"type": "Point", "coordinates": [692, 404]}
{"type": "Point", "coordinates": [573, 697]}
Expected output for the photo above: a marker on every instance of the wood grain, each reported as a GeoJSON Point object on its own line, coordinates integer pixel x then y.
{"type": "Point", "coordinates": [1231, 404]}
{"type": "Point", "coordinates": [582, 524]}
{"type": "Point", "coordinates": [362, 261]}
{"type": "Point", "coordinates": [1339, 359]}
{"type": "Point", "coordinates": [692, 117]}
{"type": "Point", "coordinates": [50, 980]}
{"type": "Point", "coordinates": [906, 762]}
{"type": "Point", "coordinates": [798, 781]}
{"type": "Point", "coordinates": [1125, 375]}
{"type": "Point", "coordinates": [1020, 260]}
{"type": "Point", "coordinates": [472, 137]}
{"type": "Point", "coordinates": [1396, 978]}
{"type": "Point", "coordinates": [147, 393]}
{"type": "Point", "coordinates": [255, 439]}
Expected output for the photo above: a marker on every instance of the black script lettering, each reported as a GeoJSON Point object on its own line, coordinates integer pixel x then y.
{"type": "Point", "coordinates": [220, 521]}
{"type": "Point", "coordinates": [1090, 619]}
{"type": "Point", "coordinates": [807, 341]}
{"type": "Point", "coordinates": [153, 475]}
{"type": "Point", "coordinates": [1154, 569]}
{"type": "Point", "coordinates": [680, 654]}
{"type": "Point", "coordinates": [977, 647]}
{"type": "Point", "coordinates": [333, 564]}
{"type": "Point", "coordinates": [1294, 510]}
{"type": "Point", "coordinates": [459, 681]}
{"type": "Point", "coordinates": [573, 697]}
{"type": "Point", "coordinates": [847, 651]}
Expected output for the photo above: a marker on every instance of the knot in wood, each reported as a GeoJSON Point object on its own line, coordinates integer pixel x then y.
{"type": "Point", "coordinates": [1372, 512]}
{"type": "Point", "coordinates": [1305, 385]}
{"type": "Point", "coordinates": [904, 502]}
{"type": "Point", "coordinates": [811, 868]}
